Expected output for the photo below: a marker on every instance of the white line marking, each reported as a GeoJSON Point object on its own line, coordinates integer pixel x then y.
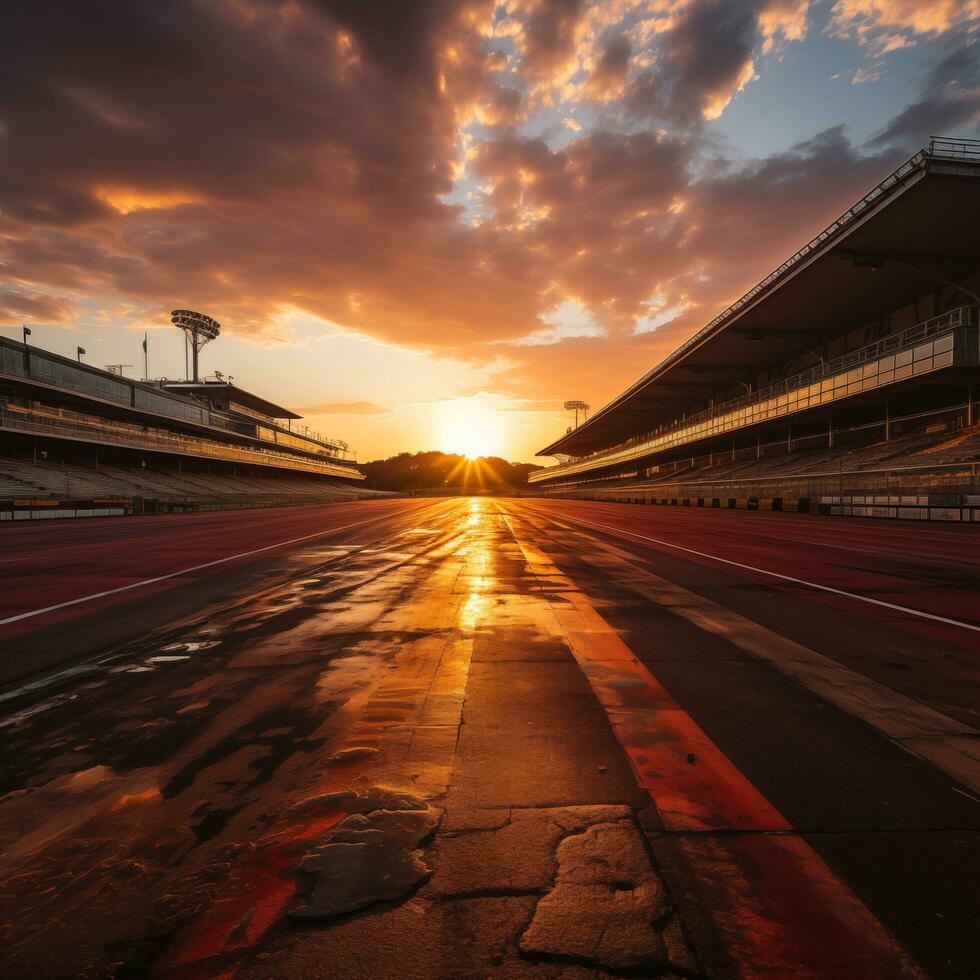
{"type": "Point", "coordinates": [785, 578]}
{"type": "Point", "coordinates": [184, 571]}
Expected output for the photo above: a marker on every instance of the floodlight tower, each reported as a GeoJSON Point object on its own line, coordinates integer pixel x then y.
{"type": "Point", "coordinates": [198, 330]}
{"type": "Point", "coordinates": [578, 406]}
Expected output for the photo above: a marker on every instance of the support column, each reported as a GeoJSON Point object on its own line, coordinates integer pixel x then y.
{"type": "Point", "coordinates": [888, 421]}
{"type": "Point", "coordinates": [758, 446]}
{"type": "Point", "coordinates": [830, 433]}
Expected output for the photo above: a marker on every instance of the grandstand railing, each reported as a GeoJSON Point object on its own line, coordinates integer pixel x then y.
{"type": "Point", "coordinates": [926, 346]}
{"type": "Point", "coordinates": [945, 146]}
{"type": "Point", "coordinates": [65, 424]}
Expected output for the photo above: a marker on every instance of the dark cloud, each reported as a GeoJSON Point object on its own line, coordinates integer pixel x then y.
{"type": "Point", "coordinates": [700, 62]}
{"type": "Point", "coordinates": [549, 38]}
{"type": "Point", "coordinates": [501, 107]}
{"type": "Point", "coordinates": [225, 100]}
{"type": "Point", "coordinates": [609, 74]}
{"type": "Point", "coordinates": [949, 103]}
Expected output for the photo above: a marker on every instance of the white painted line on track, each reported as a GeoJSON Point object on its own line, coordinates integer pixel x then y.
{"type": "Point", "coordinates": [779, 575]}
{"type": "Point", "coordinates": [184, 571]}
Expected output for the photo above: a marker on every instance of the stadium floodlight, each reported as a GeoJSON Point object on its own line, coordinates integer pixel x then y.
{"type": "Point", "coordinates": [577, 406]}
{"type": "Point", "coordinates": [198, 329]}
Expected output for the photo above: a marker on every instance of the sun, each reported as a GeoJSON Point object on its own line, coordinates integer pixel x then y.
{"type": "Point", "coordinates": [472, 445]}
{"type": "Point", "coordinates": [471, 430]}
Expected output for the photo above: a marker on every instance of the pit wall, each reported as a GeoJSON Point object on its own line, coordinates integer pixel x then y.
{"type": "Point", "coordinates": [940, 507]}
{"type": "Point", "coordinates": [37, 509]}
{"type": "Point", "coordinates": [41, 509]}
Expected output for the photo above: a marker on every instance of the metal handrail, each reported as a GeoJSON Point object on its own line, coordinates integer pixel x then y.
{"type": "Point", "coordinates": [946, 146]}
{"type": "Point", "coordinates": [935, 327]}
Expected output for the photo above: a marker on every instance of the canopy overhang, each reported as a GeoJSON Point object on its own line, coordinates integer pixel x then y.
{"type": "Point", "coordinates": [224, 393]}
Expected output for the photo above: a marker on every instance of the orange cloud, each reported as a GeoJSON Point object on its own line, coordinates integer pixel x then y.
{"type": "Point", "coordinates": [125, 200]}
{"type": "Point", "coordinates": [861, 17]}
{"type": "Point", "coordinates": [344, 408]}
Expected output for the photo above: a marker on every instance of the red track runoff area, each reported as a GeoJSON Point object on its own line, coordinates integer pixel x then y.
{"type": "Point", "coordinates": [930, 568]}
{"type": "Point", "coordinates": [53, 563]}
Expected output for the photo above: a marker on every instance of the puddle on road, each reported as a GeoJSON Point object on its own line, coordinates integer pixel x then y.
{"type": "Point", "coordinates": [25, 714]}
{"type": "Point", "coordinates": [191, 646]}
{"type": "Point", "coordinates": [32, 687]}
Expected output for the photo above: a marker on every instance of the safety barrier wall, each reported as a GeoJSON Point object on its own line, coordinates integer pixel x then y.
{"type": "Point", "coordinates": [46, 509]}
{"type": "Point", "coordinates": [16, 511]}
{"type": "Point", "coordinates": [937, 493]}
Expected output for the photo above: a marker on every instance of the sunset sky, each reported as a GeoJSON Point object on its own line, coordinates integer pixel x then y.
{"type": "Point", "coordinates": [425, 225]}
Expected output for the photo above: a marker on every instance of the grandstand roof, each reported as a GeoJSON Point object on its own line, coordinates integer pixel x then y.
{"type": "Point", "coordinates": [224, 392]}
{"type": "Point", "coordinates": [916, 229]}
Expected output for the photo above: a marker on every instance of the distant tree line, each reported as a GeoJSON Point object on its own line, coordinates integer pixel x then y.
{"type": "Point", "coordinates": [435, 471]}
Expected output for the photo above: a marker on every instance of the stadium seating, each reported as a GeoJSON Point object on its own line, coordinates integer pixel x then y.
{"type": "Point", "coordinates": [927, 466]}
{"type": "Point", "coordinates": [71, 481]}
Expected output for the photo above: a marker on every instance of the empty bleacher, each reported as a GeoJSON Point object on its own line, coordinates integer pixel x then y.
{"type": "Point", "coordinates": [921, 474]}
{"type": "Point", "coordinates": [146, 489]}
{"type": "Point", "coordinates": [79, 441]}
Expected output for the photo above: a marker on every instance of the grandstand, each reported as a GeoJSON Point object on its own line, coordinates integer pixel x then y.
{"type": "Point", "coordinates": [844, 383]}
{"type": "Point", "coordinates": [79, 441]}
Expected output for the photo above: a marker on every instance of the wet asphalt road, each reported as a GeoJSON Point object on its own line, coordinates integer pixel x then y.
{"type": "Point", "coordinates": [173, 752]}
